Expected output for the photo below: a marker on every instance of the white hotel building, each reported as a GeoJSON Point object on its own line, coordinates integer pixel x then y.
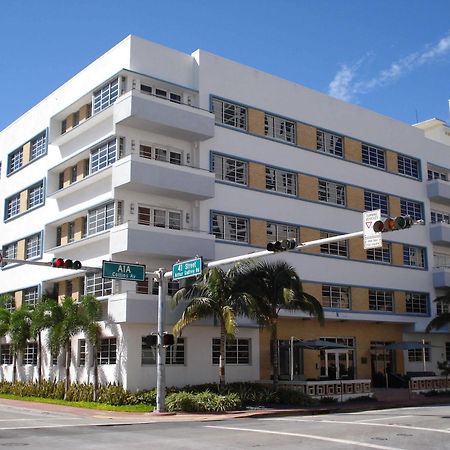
{"type": "Point", "coordinates": [150, 155]}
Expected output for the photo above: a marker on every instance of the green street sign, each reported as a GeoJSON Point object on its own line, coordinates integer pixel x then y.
{"type": "Point", "coordinates": [186, 269]}
{"type": "Point", "coordinates": [123, 271]}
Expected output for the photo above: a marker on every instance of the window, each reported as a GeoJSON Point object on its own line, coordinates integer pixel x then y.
{"type": "Point", "coordinates": [146, 89]}
{"type": "Point", "coordinates": [230, 114]}
{"type": "Point", "coordinates": [411, 208]}
{"type": "Point", "coordinates": [440, 217]}
{"type": "Point", "coordinates": [279, 232]}
{"type": "Point", "coordinates": [380, 300]}
{"type": "Point", "coordinates": [373, 156]}
{"type": "Point", "coordinates": [375, 200]}
{"type": "Point", "coordinates": [230, 169]}
{"type": "Point", "coordinates": [417, 354]}
{"type": "Point", "coordinates": [15, 160]}
{"type": "Point", "coordinates": [10, 250]}
{"type": "Point", "coordinates": [329, 143]}
{"type": "Point", "coordinates": [170, 156]}
{"type": "Point", "coordinates": [12, 206]}
{"type": "Point", "coordinates": [71, 231]}
{"type": "Point", "coordinates": [31, 296]}
{"type": "Point", "coordinates": [30, 354]}
{"type": "Point", "coordinates": [331, 192]}
{"type": "Point", "coordinates": [335, 297]}
{"type": "Point", "coordinates": [10, 303]}
{"type": "Point", "coordinates": [36, 195]}
{"type": "Point", "coordinates": [105, 96]}
{"type": "Point", "coordinates": [442, 307]}
{"type": "Point", "coordinates": [175, 354]}
{"type": "Point", "coordinates": [408, 166]}
{"type": "Point", "coordinates": [38, 146]}
{"type": "Point", "coordinates": [413, 256]}
{"type": "Point", "coordinates": [437, 174]}
{"type": "Point", "coordinates": [33, 246]}
{"type": "Point", "coordinates": [103, 156]}
{"type": "Point", "coordinates": [441, 260]}
{"type": "Point", "coordinates": [107, 353]}
{"type": "Point", "coordinates": [5, 354]}
{"type": "Point", "coordinates": [230, 228]}
{"type": "Point", "coordinates": [81, 352]}
{"type": "Point", "coordinates": [161, 218]}
{"type": "Point", "coordinates": [416, 303]}
{"type": "Point", "coordinates": [279, 128]}
{"type": "Point", "coordinates": [333, 248]}
{"type": "Point", "coordinates": [237, 351]}
{"type": "Point", "coordinates": [101, 218]}
{"type": "Point", "coordinates": [382, 254]}
{"type": "Point", "coordinates": [281, 181]}
{"type": "Point", "coordinates": [97, 286]}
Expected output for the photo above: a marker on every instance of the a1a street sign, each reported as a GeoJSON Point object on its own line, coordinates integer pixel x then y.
{"type": "Point", "coordinates": [186, 269]}
{"type": "Point", "coordinates": [371, 238]}
{"type": "Point", "coordinates": [123, 271]}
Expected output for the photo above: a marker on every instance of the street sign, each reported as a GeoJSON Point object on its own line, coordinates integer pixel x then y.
{"type": "Point", "coordinates": [123, 271]}
{"type": "Point", "coordinates": [186, 269]}
{"type": "Point", "coordinates": [371, 238]}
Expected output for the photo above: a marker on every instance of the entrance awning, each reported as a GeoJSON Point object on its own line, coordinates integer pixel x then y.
{"type": "Point", "coordinates": [318, 344]}
{"type": "Point", "coordinates": [407, 345]}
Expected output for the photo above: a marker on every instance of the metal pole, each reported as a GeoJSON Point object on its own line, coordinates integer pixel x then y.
{"type": "Point", "coordinates": [160, 356]}
{"type": "Point", "coordinates": [424, 361]}
{"type": "Point", "coordinates": [291, 358]}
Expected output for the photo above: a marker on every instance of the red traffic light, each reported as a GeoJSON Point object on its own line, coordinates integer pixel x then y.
{"type": "Point", "coordinates": [390, 224]}
{"type": "Point", "coordinates": [168, 340]}
{"type": "Point", "coordinates": [61, 263]}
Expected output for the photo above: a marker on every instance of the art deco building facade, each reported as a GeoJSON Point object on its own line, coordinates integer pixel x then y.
{"type": "Point", "coordinates": [150, 155]}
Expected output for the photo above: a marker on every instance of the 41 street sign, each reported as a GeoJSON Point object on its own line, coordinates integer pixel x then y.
{"type": "Point", "coordinates": [186, 269]}
{"type": "Point", "coordinates": [123, 271]}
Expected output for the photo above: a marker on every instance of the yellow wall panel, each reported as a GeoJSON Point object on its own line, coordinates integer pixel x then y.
{"type": "Point", "coordinates": [394, 206]}
{"type": "Point", "coordinates": [24, 200]}
{"type": "Point", "coordinates": [399, 302]}
{"type": "Point", "coordinates": [84, 112]}
{"type": "Point", "coordinates": [64, 233]}
{"type": "Point", "coordinates": [306, 136]}
{"type": "Point", "coordinates": [360, 299]}
{"type": "Point", "coordinates": [257, 175]}
{"type": "Point", "coordinates": [26, 153]}
{"type": "Point", "coordinates": [308, 187]}
{"type": "Point", "coordinates": [355, 198]}
{"type": "Point", "coordinates": [309, 234]}
{"type": "Point", "coordinates": [21, 249]}
{"type": "Point", "coordinates": [18, 299]}
{"type": "Point", "coordinates": [256, 121]}
{"type": "Point", "coordinates": [314, 289]}
{"type": "Point", "coordinates": [397, 254]}
{"type": "Point", "coordinates": [258, 232]}
{"type": "Point", "coordinates": [356, 249]}
{"type": "Point", "coordinates": [391, 161]}
{"type": "Point", "coordinates": [352, 149]}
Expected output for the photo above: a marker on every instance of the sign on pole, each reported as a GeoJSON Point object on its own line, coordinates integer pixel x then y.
{"type": "Point", "coordinates": [186, 269]}
{"type": "Point", "coordinates": [371, 238]}
{"type": "Point", "coordinates": [123, 271]}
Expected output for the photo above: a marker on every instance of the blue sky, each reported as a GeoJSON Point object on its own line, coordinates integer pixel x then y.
{"type": "Point", "coordinates": [390, 56]}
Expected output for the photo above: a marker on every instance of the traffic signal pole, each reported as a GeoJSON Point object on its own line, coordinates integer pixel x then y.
{"type": "Point", "coordinates": [160, 355]}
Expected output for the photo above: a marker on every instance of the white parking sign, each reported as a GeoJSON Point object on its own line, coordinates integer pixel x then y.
{"type": "Point", "coordinates": [371, 238]}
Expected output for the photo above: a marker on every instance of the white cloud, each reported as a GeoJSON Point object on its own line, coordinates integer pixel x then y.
{"type": "Point", "coordinates": [346, 86]}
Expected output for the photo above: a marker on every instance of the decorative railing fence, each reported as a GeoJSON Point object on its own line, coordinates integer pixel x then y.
{"type": "Point", "coordinates": [426, 384]}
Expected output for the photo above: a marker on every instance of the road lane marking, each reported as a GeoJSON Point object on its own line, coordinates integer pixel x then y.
{"type": "Point", "coordinates": [408, 427]}
{"type": "Point", "coordinates": [61, 425]}
{"type": "Point", "coordinates": [383, 418]}
{"type": "Point", "coordinates": [307, 436]}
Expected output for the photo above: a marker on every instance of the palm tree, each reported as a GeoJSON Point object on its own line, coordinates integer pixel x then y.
{"type": "Point", "coordinates": [214, 293]}
{"type": "Point", "coordinates": [443, 318]}
{"type": "Point", "coordinates": [67, 321]}
{"type": "Point", "coordinates": [41, 319]}
{"type": "Point", "coordinates": [19, 331]}
{"type": "Point", "coordinates": [273, 286]}
{"type": "Point", "coordinates": [5, 317]}
{"type": "Point", "coordinates": [90, 312]}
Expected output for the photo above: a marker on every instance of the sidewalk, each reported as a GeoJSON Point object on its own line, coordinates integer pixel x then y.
{"type": "Point", "coordinates": [386, 399]}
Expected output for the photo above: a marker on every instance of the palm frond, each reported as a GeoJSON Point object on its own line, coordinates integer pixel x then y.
{"type": "Point", "coordinates": [438, 322]}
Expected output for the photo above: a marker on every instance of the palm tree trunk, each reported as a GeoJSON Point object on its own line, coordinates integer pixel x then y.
{"type": "Point", "coordinates": [95, 370]}
{"type": "Point", "coordinates": [275, 365]}
{"type": "Point", "coordinates": [222, 356]}
{"type": "Point", "coordinates": [39, 355]}
{"type": "Point", "coordinates": [68, 358]}
{"type": "Point", "coordinates": [14, 375]}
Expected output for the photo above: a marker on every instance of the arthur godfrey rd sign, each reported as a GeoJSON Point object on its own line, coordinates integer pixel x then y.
{"type": "Point", "coordinates": [123, 271]}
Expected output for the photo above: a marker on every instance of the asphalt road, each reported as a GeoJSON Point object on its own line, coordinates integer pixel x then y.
{"type": "Point", "coordinates": [403, 428]}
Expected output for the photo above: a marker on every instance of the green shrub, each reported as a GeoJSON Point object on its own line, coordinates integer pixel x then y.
{"type": "Point", "coordinates": [206, 401]}
{"type": "Point", "coordinates": [142, 398]}
{"type": "Point", "coordinates": [295, 397]}
{"type": "Point", "coordinates": [328, 400]}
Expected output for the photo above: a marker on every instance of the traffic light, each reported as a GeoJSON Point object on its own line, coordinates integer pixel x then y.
{"type": "Point", "coordinates": [61, 263]}
{"type": "Point", "coordinates": [282, 246]}
{"type": "Point", "coordinates": [168, 339]}
{"type": "Point", "coordinates": [151, 340]}
{"type": "Point", "coordinates": [393, 224]}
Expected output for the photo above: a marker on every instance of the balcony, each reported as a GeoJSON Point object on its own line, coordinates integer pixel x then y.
{"type": "Point", "coordinates": [441, 277]}
{"type": "Point", "coordinates": [162, 116]}
{"type": "Point", "coordinates": [136, 240]}
{"type": "Point", "coordinates": [439, 191]}
{"type": "Point", "coordinates": [159, 177]}
{"type": "Point", "coordinates": [440, 234]}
